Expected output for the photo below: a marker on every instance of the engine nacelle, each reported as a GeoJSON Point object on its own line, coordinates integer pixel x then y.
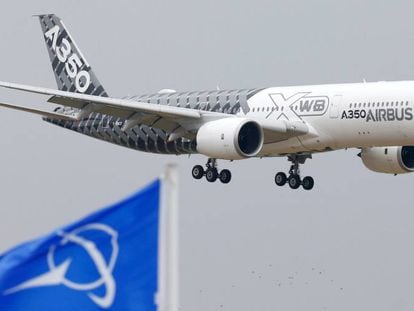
{"type": "Point", "coordinates": [230, 139]}
{"type": "Point", "coordinates": [389, 160]}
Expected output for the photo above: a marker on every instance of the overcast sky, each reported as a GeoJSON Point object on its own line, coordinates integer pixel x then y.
{"type": "Point", "coordinates": [249, 245]}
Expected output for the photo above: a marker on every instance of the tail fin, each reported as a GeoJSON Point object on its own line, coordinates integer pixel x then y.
{"type": "Point", "coordinates": [72, 70]}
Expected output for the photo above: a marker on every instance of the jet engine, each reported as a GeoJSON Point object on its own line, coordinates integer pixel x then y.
{"type": "Point", "coordinates": [390, 160]}
{"type": "Point", "coordinates": [230, 139]}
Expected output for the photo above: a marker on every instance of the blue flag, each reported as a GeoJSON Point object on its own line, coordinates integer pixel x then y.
{"type": "Point", "coordinates": [106, 261]}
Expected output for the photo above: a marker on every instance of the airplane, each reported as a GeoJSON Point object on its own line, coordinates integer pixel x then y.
{"type": "Point", "coordinates": [293, 122]}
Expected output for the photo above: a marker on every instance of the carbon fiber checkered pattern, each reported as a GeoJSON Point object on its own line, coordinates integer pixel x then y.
{"type": "Point", "coordinates": [152, 139]}
{"type": "Point", "coordinates": [225, 101]}
{"type": "Point", "coordinates": [68, 62]}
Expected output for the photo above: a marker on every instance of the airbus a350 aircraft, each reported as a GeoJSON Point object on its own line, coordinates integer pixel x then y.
{"type": "Point", "coordinates": [295, 122]}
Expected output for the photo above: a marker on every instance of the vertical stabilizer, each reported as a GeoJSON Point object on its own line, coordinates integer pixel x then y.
{"type": "Point", "coordinates": [72, 71]}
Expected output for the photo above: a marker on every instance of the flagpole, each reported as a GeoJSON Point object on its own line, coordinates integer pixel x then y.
{"type": "Point", "coordinates": [168, 276]}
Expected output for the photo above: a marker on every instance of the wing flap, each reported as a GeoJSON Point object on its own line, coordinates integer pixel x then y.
{"type": "Point", "coordinates": [68, 102]}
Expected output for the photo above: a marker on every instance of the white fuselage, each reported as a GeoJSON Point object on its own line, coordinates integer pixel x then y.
{"type": "Point", "coordinates": [339, 116]}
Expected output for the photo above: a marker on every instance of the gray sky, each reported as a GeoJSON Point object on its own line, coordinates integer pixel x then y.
{"type": "Point", "coordinates": [249, 245]}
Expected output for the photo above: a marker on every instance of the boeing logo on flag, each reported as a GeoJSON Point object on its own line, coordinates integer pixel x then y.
{"type": "Point", "coordinates": [57, 273]}
{"type": "Point", "coordinates": [108, 260]}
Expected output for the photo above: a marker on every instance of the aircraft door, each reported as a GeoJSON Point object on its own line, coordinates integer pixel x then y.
{"type": "Point", "coordinates": [335, 105]}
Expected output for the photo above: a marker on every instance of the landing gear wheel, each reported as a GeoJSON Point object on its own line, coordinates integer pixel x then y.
{"type": "Point", "coordinates": [294, 181]}
{"type": "Point", "coordinates": [197, 172]}
{"type": "Point", "coordinates": [225, 176]}
{"type": "Point", "coordinates": [308, 183]}
{"type": "Point", "coordinates": [280, 179]}
{"type": "Point", "coordinates": [211, 174]}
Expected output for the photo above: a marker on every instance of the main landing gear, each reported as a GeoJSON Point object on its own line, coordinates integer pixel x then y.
{"type": "Point", "coordinates": [294, 181]}
{"type": "Point", "coordinates": [211, 173]}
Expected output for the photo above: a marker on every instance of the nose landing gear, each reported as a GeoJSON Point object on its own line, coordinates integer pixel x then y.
{"type": "Point", "coordinates": [294, 181]}
{"type": "Point", "coordinates": [211, 173]}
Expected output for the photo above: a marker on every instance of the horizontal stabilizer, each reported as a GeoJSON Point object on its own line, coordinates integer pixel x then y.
{"type": "Point", "coordinates": [48, 114]}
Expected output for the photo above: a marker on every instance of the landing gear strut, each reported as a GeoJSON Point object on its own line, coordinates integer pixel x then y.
{"type": "Point", "coordinates": [294, 181]}
{"type": "Point", "coordinates": [211, 172]}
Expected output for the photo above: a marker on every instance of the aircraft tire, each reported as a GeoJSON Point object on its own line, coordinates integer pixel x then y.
{"type": "Point", "coordinates": [225, 176]}
{"type": "Point", "coordinates": [281, 179]}
{"type": "Point", "coordinates": [308, 183]}
{"type": "Point", "coordinates": [211, 175]}
{"type": "Point", "coordinates": [294, 181]}
{"type": "Point", "coordinates": [197, 172]}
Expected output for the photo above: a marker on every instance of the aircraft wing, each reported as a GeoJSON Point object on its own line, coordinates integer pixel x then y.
{"type": "Point", "coordinates": [182, 121]}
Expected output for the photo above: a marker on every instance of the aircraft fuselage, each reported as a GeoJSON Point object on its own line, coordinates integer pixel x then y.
{"type": "Point", "coordinates": [339, 116]}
